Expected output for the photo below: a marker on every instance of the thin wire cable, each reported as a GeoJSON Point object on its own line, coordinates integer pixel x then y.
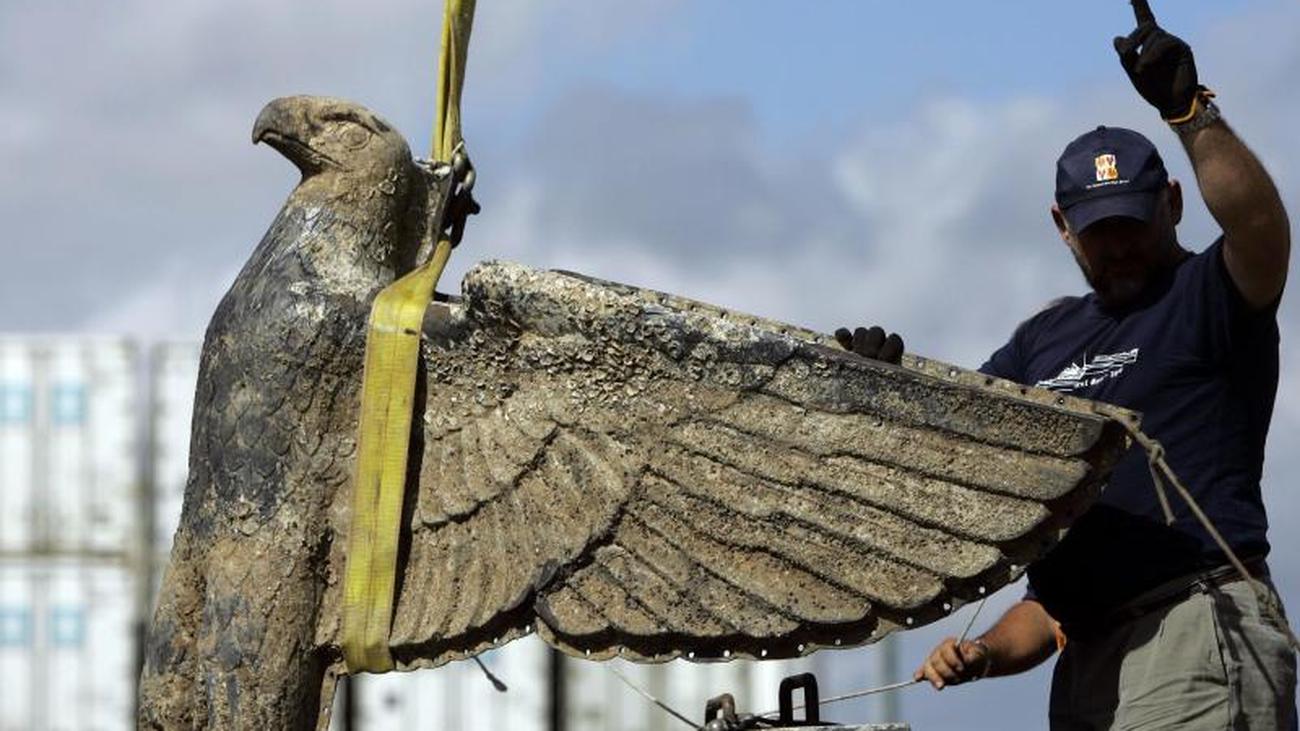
{"type": "Point", "coordinates": [850, 696]}
{"type": "Point", "coordinates": [892, 686]}
{"type": "Point", "coordinates": [628, 682]}
{"type": "Point", "coordinates": [823, 702]}
{"type": "Point", "coordinates": [971, 623]}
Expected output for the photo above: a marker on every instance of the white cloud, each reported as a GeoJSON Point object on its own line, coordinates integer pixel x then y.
{"type": "Point", "coordinates": [174, 307]}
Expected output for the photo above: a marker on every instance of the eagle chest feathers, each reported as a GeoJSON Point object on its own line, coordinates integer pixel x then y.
{"type": "Point", "coordinates": [233, 639]}
{"type": "Point", "coordinates": [279, 388]}
{"type": "Point", "coordinates": [279, 378]}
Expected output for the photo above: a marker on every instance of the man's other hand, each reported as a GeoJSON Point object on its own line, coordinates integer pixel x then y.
{"type": "Point", "coordinates": [872, 343]}
{"type": "Point", "coordinates": [1159, 64]}
{"type": "Point", "coordinates": [950, 664]}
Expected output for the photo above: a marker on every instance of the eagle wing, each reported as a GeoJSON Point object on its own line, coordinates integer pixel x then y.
{"type": "Point", "coordinates": [630, 473]}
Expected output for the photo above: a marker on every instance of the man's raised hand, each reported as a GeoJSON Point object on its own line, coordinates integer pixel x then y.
{"type": "Point", "coordinates": [1160, 65]}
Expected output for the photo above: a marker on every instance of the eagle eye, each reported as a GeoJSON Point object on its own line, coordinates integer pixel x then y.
{"type": "Point", "coordinates": [355, 136]}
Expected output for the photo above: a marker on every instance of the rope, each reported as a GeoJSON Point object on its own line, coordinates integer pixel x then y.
{"type": "Point", "coordinates": [1268, 601]}
{"type": "Point", "coordinates": [1155, 456]}
{"type": "Point", "coordinates": [387, 398]}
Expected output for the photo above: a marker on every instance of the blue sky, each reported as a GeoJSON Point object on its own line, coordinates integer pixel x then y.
{"type": "Point", "coordinates": [808, 68]}
{"type": "Point", "coordinates": [801, 64]}
{"type": "Point", "coordinates": [823, 163]}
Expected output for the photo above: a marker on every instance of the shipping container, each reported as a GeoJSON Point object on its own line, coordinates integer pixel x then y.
{"type": "Point", "coordinates": [17, 648]}
{"type": "Point", "coordinates": [174, 373]}
{"type": "Point", "coordinates": [17, 448]}
{"type": "Point", "coordinates": [89, 620]}
{"type": "Point", "coordinates": [69, 468]}
{"type": "Point", "coordinates": [67, 645]}
{"type": "Point", "coordinates": [71, 532]}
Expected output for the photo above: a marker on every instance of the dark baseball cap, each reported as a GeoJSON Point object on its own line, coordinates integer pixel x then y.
{"type": "Point", "coordinates": [1110, 171]}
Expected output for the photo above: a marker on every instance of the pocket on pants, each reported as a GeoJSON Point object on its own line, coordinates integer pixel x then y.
{"type": "Point", "coordinates": [1258, 651]}
{"type": "Point", "coordinates": [1227, 656]}
{"type": "Point", "coordinates": [1177, 673]}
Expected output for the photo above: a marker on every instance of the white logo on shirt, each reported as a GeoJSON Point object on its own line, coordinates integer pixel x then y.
{"type": "Point", "coordinates": [1074, 377]}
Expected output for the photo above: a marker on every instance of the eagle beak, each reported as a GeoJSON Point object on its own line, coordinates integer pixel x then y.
{"type": "Point", "coordinates": [275, 120]}
{"type": "Point", "coordinates": [287, 124]}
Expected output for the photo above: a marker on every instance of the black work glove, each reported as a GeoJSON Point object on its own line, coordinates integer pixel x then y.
{"type": "Point", "coordinates": [872, 343]}
{"type": "Point", "coordinates": [1160, 65]}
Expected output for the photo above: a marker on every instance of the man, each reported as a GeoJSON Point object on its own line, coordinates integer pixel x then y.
{"type": "Point", "coordinates": [1156, 630]}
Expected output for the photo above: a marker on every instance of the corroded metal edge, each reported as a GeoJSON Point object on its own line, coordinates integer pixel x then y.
{"type": "Point", "coordinates": [937, 369]}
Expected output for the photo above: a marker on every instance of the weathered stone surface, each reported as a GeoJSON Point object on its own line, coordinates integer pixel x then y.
{"type": "Point", "coordinates": [635, 474]}
{"type": "Point", "coordinates": [232, 643]}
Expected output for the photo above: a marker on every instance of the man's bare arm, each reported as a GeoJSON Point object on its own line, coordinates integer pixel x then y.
{"type": "Point", "coordinates": [1243, 200]}
{"type": "Point", "coordinates": [1022, 639]}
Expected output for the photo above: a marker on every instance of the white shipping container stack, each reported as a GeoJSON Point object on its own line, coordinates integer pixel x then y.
{"type": "Point", "coordinates": [70, 533]}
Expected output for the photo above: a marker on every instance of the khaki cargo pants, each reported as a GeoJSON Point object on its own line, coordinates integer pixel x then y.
{"type": "Point", "coordinates": [1210, 661]}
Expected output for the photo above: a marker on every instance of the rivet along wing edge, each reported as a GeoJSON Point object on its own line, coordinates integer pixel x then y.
{"type": "Point", "coordinates": [634, 474]}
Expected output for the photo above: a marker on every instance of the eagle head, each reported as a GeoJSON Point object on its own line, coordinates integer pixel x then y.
{"type": "Point", "coordinates": [357, 166]}
{"type": "Point", "coordinates": [324, 136]}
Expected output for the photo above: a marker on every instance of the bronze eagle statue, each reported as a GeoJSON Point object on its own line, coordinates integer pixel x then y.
{"type": "Point", "coordinates": [625, 472]}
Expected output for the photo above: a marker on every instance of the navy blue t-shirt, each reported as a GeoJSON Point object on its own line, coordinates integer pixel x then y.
{"type": "Point", "coordinates": [1202, 367]}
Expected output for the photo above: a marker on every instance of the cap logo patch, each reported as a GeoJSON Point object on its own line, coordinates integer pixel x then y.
{"type": "Point", "coordinates": [1106, 168]}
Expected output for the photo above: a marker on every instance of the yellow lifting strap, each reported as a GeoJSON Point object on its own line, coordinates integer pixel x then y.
{"type": "Point", "coordinates": [387, 395]}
